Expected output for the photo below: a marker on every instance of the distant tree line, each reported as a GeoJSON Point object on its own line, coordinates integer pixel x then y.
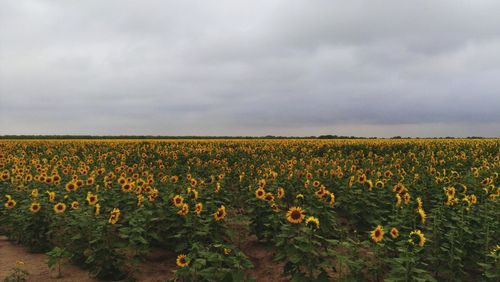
{"type": "Point", "coordinates": [211, 137]}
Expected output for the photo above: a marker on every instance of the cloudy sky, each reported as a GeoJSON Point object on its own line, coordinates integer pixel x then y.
{"type": "Point", "coordinates": [225, 67]}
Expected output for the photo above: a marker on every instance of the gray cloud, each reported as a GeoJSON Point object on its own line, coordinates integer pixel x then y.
{"type": "Point", "coordinates": [367, 68]}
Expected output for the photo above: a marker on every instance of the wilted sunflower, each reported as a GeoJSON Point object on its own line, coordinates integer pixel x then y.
{"type": "Point", "coordinates": [418, 236]}
{"type": "Point", "coordinates": [35, 207]}
{"type": "Point", "coordinates": [295, 215]}
{"type": "Point", "coordinates": [377, 234]}
{"type": "Point", "coordinates": [220, 214]}
{"type": "Point", "coordinates": [114, 216]}
{"type": "Point", "coordinates": [182, 261]}
{"type": "Point", "coordinates": [59, 207]}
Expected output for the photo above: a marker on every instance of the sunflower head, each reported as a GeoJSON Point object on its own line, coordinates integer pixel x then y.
{"type": "Point", "coordinates": [59, 207]}
{"type": "Point", "coordinates": [35, 207]}
{"type": "Point", "coordinates": [377, 234]}
{"type": "Point", "coordinates": [198, 208]}
{"type": "Point", "coordinates": [417, 238]}
{"type": "Point", "coordinates": [312, 222]}
{"type": "Point", "coordinates": [182, 260]}
{"type": "Point", "coordinates": [260, 193]}
{"type": "Point", "coordinates": [220, 214]}
{"type": "Point", "coordinates": [178, 201]}
{"type": "Point", "coordinates": [394, 233]}
{"type": "Point", "coordinates": [295, 215]}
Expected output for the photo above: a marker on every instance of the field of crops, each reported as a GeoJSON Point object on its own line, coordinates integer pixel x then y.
{"type": "Point", "coordinates": [329, 210]}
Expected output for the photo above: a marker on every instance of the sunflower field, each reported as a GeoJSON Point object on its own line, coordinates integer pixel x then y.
{"type": "Point", "coordinates": [330, 210]}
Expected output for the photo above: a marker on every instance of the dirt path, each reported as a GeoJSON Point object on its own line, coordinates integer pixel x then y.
{"type": "Point", "coordinates": [35, 264]}
{"type": "Point", "coordinates": [158, 268]}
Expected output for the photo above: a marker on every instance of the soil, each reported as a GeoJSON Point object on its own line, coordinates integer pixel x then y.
{"type": "Point", "coordinates": [159, 266]}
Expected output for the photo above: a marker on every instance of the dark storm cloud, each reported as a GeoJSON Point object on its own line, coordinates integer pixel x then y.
{"type": "Point", "coordinates": [370, 68]}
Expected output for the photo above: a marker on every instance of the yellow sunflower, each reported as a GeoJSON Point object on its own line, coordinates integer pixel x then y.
{"type": "Point", "coordinates": [178, 201]}
{"type": "Point", "coordinates": [377, 234]}
{"type": "Point", "coordinates": [182, 261]}
{"type": "Point", "coordinates": [260, 193]}
{"type": "Point", "coordinates": [312, 222]}
{"type": "Point", "coordinates": [199, 208]}
{"type": "Point", "coordinates": [220, 214]}
{"type": "Point", "coordinates": [114, 216]}
{"type": "Point", "coordinates": [184, 210]}
{"type": "Point", "coordinates": [417, 235]}
{"type": "Point", "coordinates": [59, 207]}
{"type": "Point", "coordinates": [394, 233]}
{"type": "Point", "coordinates": [35, 207]}
{"type": "Point", "coordinates": [295, 215]}
{"type": "Point", "coordinates": [91, 199]}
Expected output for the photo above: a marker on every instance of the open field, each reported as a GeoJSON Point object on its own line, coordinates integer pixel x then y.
{"type": "Point", "coordinates": [243, 210]}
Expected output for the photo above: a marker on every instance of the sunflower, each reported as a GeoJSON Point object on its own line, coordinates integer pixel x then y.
{"type": "Point", "coordinates": [450, 192]}
{"type": "Point", "coordinates": [182, 261]}
{"type": "Point", "coordinates": [184, 210]}
{"type": "Point", "coordinates": [398, 200]}
{"type": "Point", "coordinates": [220, 214]}
{"type": "Point", "coordinates": [114, 216]}
{"type": "Point", "coordinates": [91, 199]}
{"type": "Point", "coordinates": [198, 208]}
{"type": "Point", "coordinates": [295, 215]}
{"type": "Point", "coordinates": [59, 207]}
{"type": "Point", "coordinates": [321, 192]}
{"type": "Point", "coordinates": [312, 222]}
{"type": "Point", "coordinates": [10, 202]}
{"type": "Point", "coordinates": [316, 183]}
{"type": "Point", "coordinates": [269, 197]}
{"type": "Point", "coordinates": [331, 198]}
{"type": "Point", "coordinates": [260, 193]}
{"type": "Point", "coordinates": [97, 209]}
{"type": "Point", "coordinates": [362, 178]}
{"type": "Point", "coordinates": [407, 198]}
{"type": "Point", "coordinates": [178, 201]}
{"type": "Point", "coordinates": [377, 234]}
{"type": "Point", "coordinates": [417, 235]}
{"type": "Point", "coordinates": [380, 184]}
{"type": "Point", "coordinates": [394, 233]}
{"type": "Point", "coordinates": [280, 193]}
{"type": "Point", "coordinates": [75, 205]}
{"type": "Point", "coordinates": [52, 196]}
{"type": "Point", "coordinates": [422, 215]}
{"type": "Point", "coordinates": [34, 193]}
{"type": "Point", "coordinates": [35, 207]}
{"type": "Point", "coordinates": [127, 187]}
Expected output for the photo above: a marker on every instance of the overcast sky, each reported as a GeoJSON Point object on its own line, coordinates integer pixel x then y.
{"type": "Point", "coordinates": [365, 68]}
